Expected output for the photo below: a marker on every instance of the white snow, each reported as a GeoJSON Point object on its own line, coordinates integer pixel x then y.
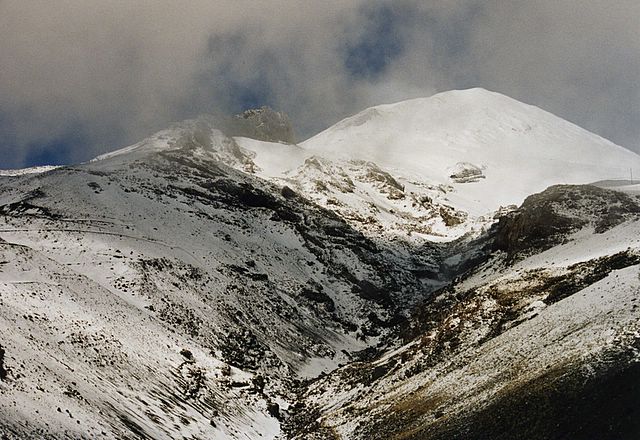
{"type": "Point", "coordinates": [273, 159]}
{"type": "Point", "coordinates": [30, 170]}
{"type": "Point", "coordinates": [163, 140]}
{"type": "Point", "coordinates": [521, 148]}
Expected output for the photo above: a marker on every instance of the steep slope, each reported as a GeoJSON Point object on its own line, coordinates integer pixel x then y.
{"type": "Point", "coordinates": [158, 293]}
{"type": "Point", "coordinates": [541, 341]}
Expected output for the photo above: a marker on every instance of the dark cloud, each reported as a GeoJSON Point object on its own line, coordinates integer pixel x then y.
{"type": "Point", "coordinates": [380, 42]}
{"type": "Point", "coordinates": [85, 76]}
{"type": "Point", "coordinates": [579, 59]}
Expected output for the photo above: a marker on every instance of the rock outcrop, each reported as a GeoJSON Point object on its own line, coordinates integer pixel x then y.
{"type": "Point", "coordinates": [264, 124]}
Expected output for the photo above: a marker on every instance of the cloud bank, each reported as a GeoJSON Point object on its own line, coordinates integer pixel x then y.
{"type": "Point", "coordinates": [80, 77]}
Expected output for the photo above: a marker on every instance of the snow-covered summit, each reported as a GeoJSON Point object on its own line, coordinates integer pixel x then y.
{"type": "Point", "coordinates": [520, 148]}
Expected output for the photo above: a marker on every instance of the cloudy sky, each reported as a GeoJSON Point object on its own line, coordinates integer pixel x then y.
{"type": "Point", "coordinates": [80, 77]}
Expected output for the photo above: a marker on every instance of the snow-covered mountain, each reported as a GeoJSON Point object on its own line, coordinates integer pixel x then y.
{"type": "Point", "coordinates": [494, 150]}
{"type": "Point", "coordinates": [439, 167]}
{"type": "Point", "coordinates": [370, 282]}
{"type": "Point", "coordinates": [160, 291]}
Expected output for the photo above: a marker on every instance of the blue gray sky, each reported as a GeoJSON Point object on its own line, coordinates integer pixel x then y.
{"type": "Point", "coordinates": [81, 77]}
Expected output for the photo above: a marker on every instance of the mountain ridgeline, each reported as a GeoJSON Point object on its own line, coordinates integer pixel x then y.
{"type": "Point", "coordinates": [439, 268]}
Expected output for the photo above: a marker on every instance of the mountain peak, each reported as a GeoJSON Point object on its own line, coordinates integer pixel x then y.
{"type": "Point", "coordinates": [521, 148]}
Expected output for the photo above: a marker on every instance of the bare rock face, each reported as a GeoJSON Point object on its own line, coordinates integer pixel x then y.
{"type": "Point", "coordinates": [264, 124]}
{"type": "Point", "coordinates": [547, 218]}
{"type": "Point", "coordinates": [465, 172]}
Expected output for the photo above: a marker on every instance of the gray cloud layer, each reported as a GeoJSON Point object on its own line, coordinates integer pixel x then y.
{"type": "Point", "coordinates": [105, 72]}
